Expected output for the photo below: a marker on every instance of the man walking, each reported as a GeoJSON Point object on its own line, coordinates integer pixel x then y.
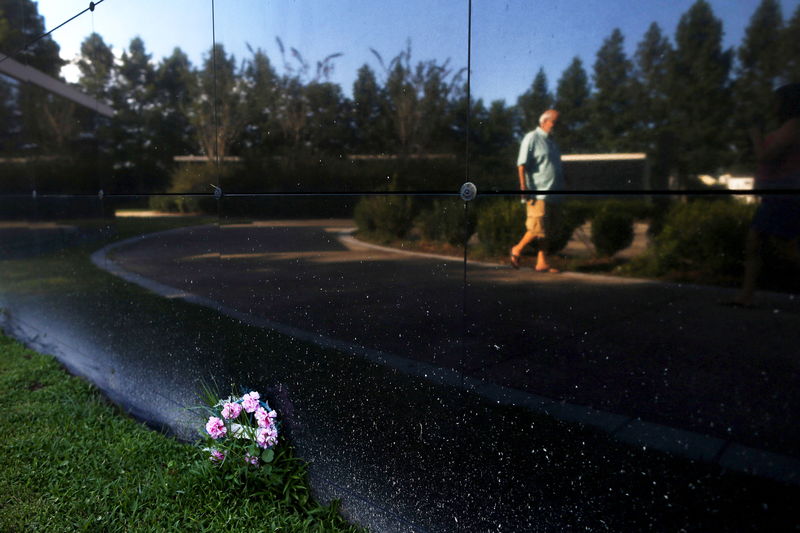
{"type": "Point", "coordinates": [539, 169]}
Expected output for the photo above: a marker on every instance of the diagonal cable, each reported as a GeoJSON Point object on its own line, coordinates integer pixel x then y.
{"type": "Point", "coordinates": [91, 7]}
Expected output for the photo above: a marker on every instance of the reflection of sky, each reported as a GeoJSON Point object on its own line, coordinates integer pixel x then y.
{"type": "Point", "coordinates": [511, 39]}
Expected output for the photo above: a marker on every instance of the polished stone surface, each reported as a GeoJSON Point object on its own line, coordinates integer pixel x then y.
{"type": "Point", "coordinates": [406, 453]}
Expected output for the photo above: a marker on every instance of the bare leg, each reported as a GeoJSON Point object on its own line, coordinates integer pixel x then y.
{"type": "Point", "coordinates": [525, 241]}
{"type": "Point", "coordinates": [541, 261]}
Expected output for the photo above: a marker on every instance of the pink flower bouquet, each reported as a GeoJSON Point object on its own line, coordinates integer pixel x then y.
{"type": "Point", "coordinates": [242, 429]}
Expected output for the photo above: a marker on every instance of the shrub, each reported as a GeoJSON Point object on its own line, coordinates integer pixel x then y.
{"type": "Point", "coordinates": [706, 237]}
{"type": "Point", "coordinates": [659, 207]}
{"type": "Point", "coordinates": [385, 217]}
{"type": "Point", "coordinates": [573, 214]}
{"type": "Point", "coordinates": [448, 221]}
{"type": "Point", "coordinates": [612, 230]}
{"type": "Point", "coordinates": [187, 180]}
{"type": "Point", "coordinates": [500, 224]}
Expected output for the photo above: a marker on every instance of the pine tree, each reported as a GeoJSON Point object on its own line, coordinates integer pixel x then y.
{"type": "Point", "coordinates": [535, 101]}
{"type": "Point", "coordinates": [612, 110]}
{"type": "Point", "coordinates": [39, 122]}
{"type": "Point", "coordinates": [262, 131]}
{"type": "Point", "coordinates": [20, 24]}
{"type": "Point", "coordinates": [368, 104]}
{"type": "Point", "coordinates": [572, 102]}
{"type": "Point", "coordinates": [790, 49]}
{"type": "Point", "coordinates": [217, 113]}
{"type": "Point", "coordinates": [327, 130]}
{"type": "Point", "coordinates": [699, 94]}
{"type": "Point", "coordinates": [175, 89]}
{"type": "Point", "coordinates": [96, 65]}
{"type": "Point", "coordinates": [760, 65]}
{"type": "Point", "coordinates": [498, 149]}
{"type": "Point", "coordinates": [97, 74]}
{"type": "Point", "coordinates": [653, 57]}
{"type": "Point", "coordinates": [133, 98]}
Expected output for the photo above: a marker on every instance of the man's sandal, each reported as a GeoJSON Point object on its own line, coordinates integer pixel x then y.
{"type": "Point", "coordinates": [514, 261]}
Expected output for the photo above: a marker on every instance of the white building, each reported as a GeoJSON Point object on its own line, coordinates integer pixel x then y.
{"type": "Point", "coordinates": [739, 183]}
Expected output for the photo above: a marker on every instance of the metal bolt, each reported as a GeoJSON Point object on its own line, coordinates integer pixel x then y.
{"type": "Point", "coordinates": [468, 191]}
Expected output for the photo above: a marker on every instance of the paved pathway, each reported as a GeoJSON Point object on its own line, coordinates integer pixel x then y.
{"type": "Point", "coordinates": [711, 382]}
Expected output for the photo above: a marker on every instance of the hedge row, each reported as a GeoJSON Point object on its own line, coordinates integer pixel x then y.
{"type": "Point", "coordinates": [702, 237]}
{"type": "Point", "coordinates": [499, 222]}
{"type": "Point", "coordinates": [391, 217]}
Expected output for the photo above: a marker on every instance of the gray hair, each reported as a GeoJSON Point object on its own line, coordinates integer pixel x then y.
{"type": "Point", "coordinates": [547, 115]}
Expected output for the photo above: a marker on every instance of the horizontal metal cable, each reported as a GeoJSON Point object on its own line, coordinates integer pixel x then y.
{"type": "Point", "coordinates": [593, 192]}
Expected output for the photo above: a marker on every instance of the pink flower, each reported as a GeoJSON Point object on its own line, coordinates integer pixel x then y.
{"type": "Point", "coordinates": [215, 427]}
{"type": "Point", "coordinates": [216, 456]}
{"type": "Point", "coordinates": [251, 459]}
{"type": "Point", "coordinates": [267, 437]}
{"type": "Point", "coordinates": [231, 410]}
{"type": "Point", "coordinates": [250, 401]}
{"type": "Point", "coordinates": [265, 418]}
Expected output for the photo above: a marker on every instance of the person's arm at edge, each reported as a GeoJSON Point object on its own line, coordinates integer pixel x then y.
{"type": "Point", "coordinates": [783, 138]}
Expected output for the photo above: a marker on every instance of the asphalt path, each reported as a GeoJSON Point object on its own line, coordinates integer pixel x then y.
{"type": "Point", "coordinates": [666, 354]}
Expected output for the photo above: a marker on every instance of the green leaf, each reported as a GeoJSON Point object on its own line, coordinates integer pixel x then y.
{"type": "Point", "coordinates": [268, 455]}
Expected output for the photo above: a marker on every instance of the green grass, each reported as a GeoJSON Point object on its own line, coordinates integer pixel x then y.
{"type": "Point", "coordinates": [70, 461]}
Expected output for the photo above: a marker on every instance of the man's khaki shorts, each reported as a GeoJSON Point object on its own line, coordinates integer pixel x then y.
{"type": "Point", "coordinates": [535, 221]}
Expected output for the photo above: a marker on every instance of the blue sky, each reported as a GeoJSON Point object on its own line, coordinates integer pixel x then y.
{"type": "Point", "coordinates": [510, 39]}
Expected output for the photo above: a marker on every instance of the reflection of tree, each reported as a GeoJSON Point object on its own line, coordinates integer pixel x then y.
{"type": "Point", "coordinates": [327, 128]}
{"type": "Point", "coordinates": [292, 109]}
{"type": "Point", "coordinates": [35, 119]}
{"type": "Point", "coordinates": [132, 133]}
{"type": "Point", "coordinates": [96, 65]}
{"type": "Point", "coordinates": [295, 108]}
{"type": "Point", "coordinates": [613, 116]}
{"type": "Point", "coordinates": [20, 24]}
{"type": "Point", "coordinates": [535, 101]}
{"type": "Point", "coordinates": [572, 101]}
{"type": "Point", "coordinates": [217, 112]}
{"type": "Point", "coordinates": [790, 49]}
{"type": "Point", "coordinates": [175, 91]}
{"type": "Point", "coordinates": [653, 56]}
{"type": "Point", "coordinates": [261, 96]}
{"type": "Point", "coordinates": [492, 130]}
{"type": "Point", "coordinates": [758, 71]}
{"type": "Point", "coordinates": [414, 92]}
{"type": "Point", "coordinates": [678, 102]}
{"type": "Point", "coordinates": [368, 120]}
{"type": "Point", "coordinates": [61, 127]}
{"type": "Point", "coordinates": [699, 92]}
{"type": "Point", "coordinates": [48, 121]}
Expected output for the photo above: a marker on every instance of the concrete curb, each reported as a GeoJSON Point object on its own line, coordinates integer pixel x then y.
{"type": "Point", "coordinates": [694, 446]}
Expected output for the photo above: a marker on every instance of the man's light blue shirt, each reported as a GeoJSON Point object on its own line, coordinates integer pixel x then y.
{"type": "Point", "coordinates": [540, 156]}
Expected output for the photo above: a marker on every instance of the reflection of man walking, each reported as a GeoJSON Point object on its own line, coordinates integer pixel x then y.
{"type": "Point", "coordinates": [539, 168]}
{"type": "Point", "coordinates": [777, 219]}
